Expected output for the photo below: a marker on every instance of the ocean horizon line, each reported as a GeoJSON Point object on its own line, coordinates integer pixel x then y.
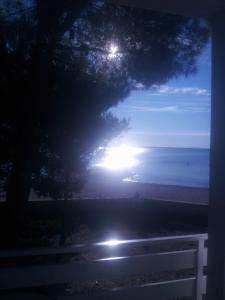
{"type": "Point", "coordinates": [167, 147]}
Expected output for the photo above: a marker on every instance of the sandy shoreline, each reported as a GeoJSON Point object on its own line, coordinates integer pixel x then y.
{"type": "Point", "coordinates": [117, 189]}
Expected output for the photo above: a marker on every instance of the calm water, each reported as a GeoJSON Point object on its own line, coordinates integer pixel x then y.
{"type": "Point", "coordinates": [172, 166]}
{"type": "Point", "coordinates": [185, 167]}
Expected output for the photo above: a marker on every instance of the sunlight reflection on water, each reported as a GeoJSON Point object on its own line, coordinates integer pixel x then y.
{"type": "Point", "coordinates": [168, 166]}
{"type": "Point", "coordinates": [121, 157]}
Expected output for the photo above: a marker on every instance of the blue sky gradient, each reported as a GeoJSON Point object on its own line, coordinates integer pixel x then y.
{"type": "Point", "coordinates": [176, 114]}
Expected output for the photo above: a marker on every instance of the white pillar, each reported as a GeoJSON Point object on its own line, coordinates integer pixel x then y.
{"type": "Point", "coordinates": [216, 254]}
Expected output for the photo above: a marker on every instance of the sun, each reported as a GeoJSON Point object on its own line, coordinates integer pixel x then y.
{"type": "Point", "coordinates": [113, 51]}
{"type": "Point", "coordinates": [121, 157]}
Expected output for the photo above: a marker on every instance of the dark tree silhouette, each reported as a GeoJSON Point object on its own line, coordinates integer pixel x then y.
{"type": "Point", "coordinates": [59, 76]}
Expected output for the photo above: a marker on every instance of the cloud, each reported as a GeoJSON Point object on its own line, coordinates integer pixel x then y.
{"type": "Point", "coordinates": [153, 109]}
{"type": "Point", "coordinates": [195, 109]}
{"type": "Point", "coordinates": [165, 89]}
{"type": "Point", "coordinates": [181, 108]}
{"type": "Point", "coordinates": [139, 86]}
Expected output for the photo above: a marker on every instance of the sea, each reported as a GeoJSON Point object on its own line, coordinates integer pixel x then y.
{"type": "Point", "coordinates": [170, 166]}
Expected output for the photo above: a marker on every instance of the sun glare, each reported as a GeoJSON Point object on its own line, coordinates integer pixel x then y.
{"type": "Point", "coordinates": [112, 243]}
{"type": "Point", "coordinates": [118, 158]}
{"type": "Point", "coordinates": [113, 51]}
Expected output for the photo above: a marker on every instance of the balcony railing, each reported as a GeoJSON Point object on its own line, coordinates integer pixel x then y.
{"type": "Point", "coordinates": [14, 280]}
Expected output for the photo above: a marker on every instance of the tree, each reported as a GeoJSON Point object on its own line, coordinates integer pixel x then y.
{"type": "Point", "coordinates": [63, 65]}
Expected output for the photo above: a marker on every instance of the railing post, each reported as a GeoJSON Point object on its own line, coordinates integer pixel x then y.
{"type": "Point", "coordinates": [216, 227]}
{"type": "Point", "coordinates": [200, 268]}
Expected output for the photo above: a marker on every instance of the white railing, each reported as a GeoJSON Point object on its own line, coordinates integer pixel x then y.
{"type": "Point", "coordinates": [111, 268]}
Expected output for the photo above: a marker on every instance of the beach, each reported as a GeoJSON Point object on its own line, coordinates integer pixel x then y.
{"type": "Point", "coordinates": [109, 189]}
{"type": "Point", "coordinates": [120, 190]}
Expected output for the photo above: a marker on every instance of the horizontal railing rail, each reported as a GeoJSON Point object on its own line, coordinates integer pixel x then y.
{"type": "Point", "coordinates": [114, 268]}
{"type": "Point", "coordinates": [88, 246]}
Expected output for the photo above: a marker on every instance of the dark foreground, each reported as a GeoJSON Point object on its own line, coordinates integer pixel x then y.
{"type": "Point", "coordinates": [94, 220]}
{"type": "Point", "coordinates": [97, 220]}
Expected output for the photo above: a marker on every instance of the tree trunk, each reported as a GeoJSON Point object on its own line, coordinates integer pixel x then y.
{"type": "Point", "coordinates": [18, 189]}
{"type": "Point", "coordinates": [65, 220]}
{"type": "Point", "coordinates": [20, 177]}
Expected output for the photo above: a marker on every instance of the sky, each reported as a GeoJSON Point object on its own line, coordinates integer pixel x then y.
{"type": "Point", "coordinates": [176, 114]}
